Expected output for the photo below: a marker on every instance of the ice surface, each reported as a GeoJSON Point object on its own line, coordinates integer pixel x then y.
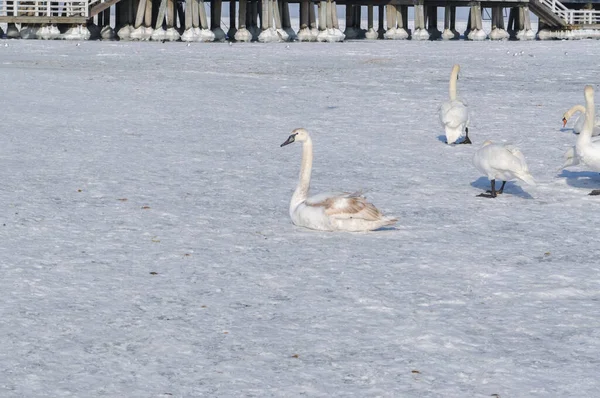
{"type": "Point", "coordinates": [146, 248]}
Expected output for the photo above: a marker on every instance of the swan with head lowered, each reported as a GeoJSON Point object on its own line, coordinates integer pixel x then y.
{"type": "Point", "coordinates": [587, 151]}
{"type": "Point", "coordinates": [501, 162]}
{"type": "Point", "coordinates": [580, 120]}
{"type": "Point", "coordinates": [454, 114]}
{"type": "Point", "coordinates": [329, 211]}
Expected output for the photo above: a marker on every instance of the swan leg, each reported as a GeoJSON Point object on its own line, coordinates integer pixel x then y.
{"type": "Point", "coordinates": [492, 193]}
{"type": "Point", "coordinates": [595, 192]}
{"type": "Point", "coordinates": [466, 140]}
{"type": "Point", "coordinates": [502, 187]}
{"type": "Point", "coordinates": [499, 192]}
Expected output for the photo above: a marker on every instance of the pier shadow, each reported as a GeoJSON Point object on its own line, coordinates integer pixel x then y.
{"type": "Point", "coordinates": [581, 179]}
{"type": "Point", "coordinates": [509, 189]}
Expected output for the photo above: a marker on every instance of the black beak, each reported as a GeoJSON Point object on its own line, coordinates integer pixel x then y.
{"type": "Point", "coordinates": [290, 140]}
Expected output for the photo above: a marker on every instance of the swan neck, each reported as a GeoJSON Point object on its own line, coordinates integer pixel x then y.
{"type": "Point", "coordinates": [453, 79]}
{"type": "Point", "coordinates": [573, 110]}
{"type": "Point", "coordinates": [301, 192]}
{"type": "Point", "coordinates": [588, 127]}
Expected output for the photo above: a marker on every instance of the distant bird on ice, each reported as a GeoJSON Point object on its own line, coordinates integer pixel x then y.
{"type": "Point", "coordinates": [501, 162]}
{"type": "Point", "coordinates": [329, 211]}
{"type": "Point", "coordinates": [587, 151]}
{"type": "Point", "coordinates": [454, 114]}
{"type": "Point", "coordinates": [580, 120]}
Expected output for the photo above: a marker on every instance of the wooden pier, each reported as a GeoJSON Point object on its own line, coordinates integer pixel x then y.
{"type": "Point", "coordinates": [269, 20]}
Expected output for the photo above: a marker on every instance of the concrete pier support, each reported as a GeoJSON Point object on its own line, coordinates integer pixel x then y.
{"type": "Point", "coordinates": [351, 32]}
{"type": "Point", "coordinates": [159, 33]}
{"type": "Point", "coordinates": [122, 20]}
{"type": "Point", "coordinates": [525, 32]}
{"type": "Point", "coordinates": [358, 21]}
{"type": "Point", "coordinates": [380, 28]}
{"type": "Point", "coordinates": [476, 33]}
{"type": "Point", "coordinates": [498, 32]}
{"type": "Point", "coordinates": [432, 21]}
{"type": "Point", "coordinates": [142, 28]}
{"type": "Point", "coordinates": [196, 23]}
{"type": "Point", "coordinates": [243, 34]}
{"type": "Point", "coordinates": [12, 32]}
{"type": "Point", "coordinates": [395, 16]}
{"type": "Point", "coordinates": [450, 32]}
{"type": "Point", "coordinates": [216, 7]}
{"type": "Point", "coordinates": [371, 33]}
{"type": "Point", "coordinates": [252, 22]}
{"type": "Point", "coordinates": [327, 31]}
{"type": "Point", "coordinates": [106, 31]}
{"type": "Point", "coordinates": [304, 34]}
{"type": "Point", "coordinates": [232, 21]}
{"type": "Point", "coordinates": [286, 21]}
{"type": "Point", "coordinates": [271, 25]}
{"type": "Point", "coordinates": [420, 32]}
{"type": "Point", "coordinates": [312, 13]}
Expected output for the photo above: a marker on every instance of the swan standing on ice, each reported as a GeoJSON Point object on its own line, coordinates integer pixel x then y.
{"type": "Point", "coordinates": [502, 162]}
{"type": "Point", "coordinates": [586, 150]}
{"type": "Point", "coordinates": [454, 114]}
{"type": "Point", "coordinates": [329, 211]}
{"type": "Point", "coordinates": [580, 120]}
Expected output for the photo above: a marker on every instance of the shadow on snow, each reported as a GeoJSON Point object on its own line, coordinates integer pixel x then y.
{"type": "Point", "coordinates": [581, 179]}
{"type": "Point", "coordinates": [510, 188]}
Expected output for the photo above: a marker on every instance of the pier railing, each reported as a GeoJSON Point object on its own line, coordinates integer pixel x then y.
{"type": "Point", "coordinates": [572, 17]}
{"type": "Point", "coordinates": [30, 10]}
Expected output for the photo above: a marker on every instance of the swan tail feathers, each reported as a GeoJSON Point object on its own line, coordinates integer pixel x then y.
{"type": "Point", "coordinates": [390, 220]}
{"type": "Point", "coordinates": [528, 178]}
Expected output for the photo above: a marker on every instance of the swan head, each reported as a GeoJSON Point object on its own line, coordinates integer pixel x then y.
{"type": "Point", "coordinates": [455, 70]}
{"type": "Point", "coordinates": [300, 135]}
{"type": "Point", "coordinates": [564, 120]}
{"type": "Point", "coordinates": [588, 92]}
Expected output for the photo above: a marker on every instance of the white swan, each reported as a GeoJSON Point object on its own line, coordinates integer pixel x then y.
{"type": "Point", "coordinates": [587, 150]}
{"type": "Point", "coordinates": [329, 211]}
{"type": "Point", "coordinates": [454, 114]}
{"type": "Point", "coordinates": [571, 158]}
{"type": "Point", "coordinates": [580, 120]}
{"type": "Point", "coordinates": [502, 162]}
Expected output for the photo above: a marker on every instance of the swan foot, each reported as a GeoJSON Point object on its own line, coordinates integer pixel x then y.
{"type": "Point", "coordinates": [493, 193]}
{"type": "Point", "coordinates": [595, 192]}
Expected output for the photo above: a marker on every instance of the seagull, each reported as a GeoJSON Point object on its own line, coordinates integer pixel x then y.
{"type": "Point", "coordinates": [187, 45]}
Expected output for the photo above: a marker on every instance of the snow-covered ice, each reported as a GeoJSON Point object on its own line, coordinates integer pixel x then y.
{"type": "Point", "coordinates": [146, 248]}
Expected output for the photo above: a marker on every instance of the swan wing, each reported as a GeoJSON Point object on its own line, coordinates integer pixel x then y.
{"type": "Point", "coordinates": [345, 206]}
{"type": "Point", "coordinates": [516, 152]}
{"type": "Point", "coordinates": [454, 113]}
